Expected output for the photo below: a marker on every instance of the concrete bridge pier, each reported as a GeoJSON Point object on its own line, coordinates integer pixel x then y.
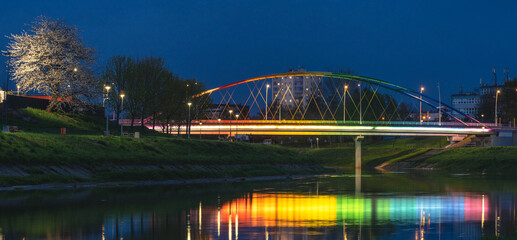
{"type": "Point", "coordinates": [358, 140]}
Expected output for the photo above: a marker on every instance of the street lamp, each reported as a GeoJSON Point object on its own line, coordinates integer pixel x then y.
{"type": "Point", "coordinates": [360, 104]}
{"type": "Point", "coordinates": [421, 90]}
{"type": "Point", "coordinates": [105, 99]}
{"type": "Point", "coordinates": [236, 126]}
{"type": "Point", "coordinates": [267, 88]}
{"type": "Point", "coordinates": [18, 87]}
{"type": "Point", "coordinates": [496, 95]}
{"type": "Point", "coordinates": [200, 123]}
{"type": "Point", "coordinates": [219, 137]}
{"type": "Point", "coordinates": [344, 103]}
{"type": "Point", "coordinates": [188, 123]}
{"type": "Point", "coordinates": [280, 103]}
{"type": "Point", "coordinates": [122, 95]}
{"type": "Point", "coordinates": [230, 111]}
{"type": "Point", "coordinates": [439, 106]}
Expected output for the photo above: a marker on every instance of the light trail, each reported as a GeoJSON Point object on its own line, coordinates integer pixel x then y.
{"type": "Point", "coordinates": [308, 130]}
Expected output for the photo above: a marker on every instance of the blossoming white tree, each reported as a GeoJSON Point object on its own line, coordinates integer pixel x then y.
{"type": "Point", "coordinates": [52, 59]}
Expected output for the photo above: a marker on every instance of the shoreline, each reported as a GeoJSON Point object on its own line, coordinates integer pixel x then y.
{"type": "Point", "coordinates": [74, 186]}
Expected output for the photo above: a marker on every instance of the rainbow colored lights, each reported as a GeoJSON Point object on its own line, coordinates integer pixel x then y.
{"type": "Point", "coordinates": [306, 130]}
{"type": "Point", "coordinates": [293, 210]}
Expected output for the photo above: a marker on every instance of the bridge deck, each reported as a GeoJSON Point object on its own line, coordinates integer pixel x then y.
{"type": "Point", "coordinates": [290, 127]}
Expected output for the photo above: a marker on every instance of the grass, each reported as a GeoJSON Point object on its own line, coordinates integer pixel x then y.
{"type": "Point", "coordinates": [104, 156]}
{"type": "Point", "coordinates": [176, 158]}
{"type": "Point", "coordinates": [374, 153]}
{"type": "Point", "coordinates": [489, 158]}
{"type": "Point", "coordinates": [41, 148]}
{"type": "Point", "coordinates": [160, 156]}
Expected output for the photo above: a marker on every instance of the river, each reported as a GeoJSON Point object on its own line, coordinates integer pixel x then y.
{"type": "Point", "coordinates": [395, 205]}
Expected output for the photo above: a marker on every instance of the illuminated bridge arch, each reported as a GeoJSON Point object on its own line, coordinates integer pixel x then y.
{"type": "Point", "coordinates": [328, 96]}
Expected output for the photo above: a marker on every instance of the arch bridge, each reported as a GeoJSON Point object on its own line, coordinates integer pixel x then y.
{"type": "Point", "coordinates": [325, 103]}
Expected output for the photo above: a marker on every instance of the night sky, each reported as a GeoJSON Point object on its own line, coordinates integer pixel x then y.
{"type": "Point", "coordinates": [405, 42]}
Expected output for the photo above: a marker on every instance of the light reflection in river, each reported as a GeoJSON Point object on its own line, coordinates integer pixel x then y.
{"type": "Point", "coordinates": [304, 210]}
{"type": "Point", "coordinates": [288, 215]}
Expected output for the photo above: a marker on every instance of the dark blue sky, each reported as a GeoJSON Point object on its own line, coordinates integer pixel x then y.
{"type": "Point", "coordinates": [405, 42]}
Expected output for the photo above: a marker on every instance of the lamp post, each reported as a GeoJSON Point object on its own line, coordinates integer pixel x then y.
{"type": "Point", "coordinates": [496, 95]}
{"type": "Point", "coordinates": [122, 95]}
{"type": "Point", "coordinates": [360, 105]}
{"type": "Point", "coordinates": [219, 137]}
{"type": "Point", "coordinates": [344, 103]}
{"type": "Point", "coordinates": [237, 125]}
{"type": "Point", "coordinates": [420, 118]}
{"type": "Point", "coordinates": [267, 88]}
{"type": "Point", "coordinates": [280, 105]}
{"type": "Point", "coordinates": [200, 123]}
{"type": "Point", "coordinates": [188, 123]}
{"type": "Point", "coordinates": [439, 106]}
{"type": "Point", "coordinates": [18, 91]}
{"type": "Point", "coordinates": [105, 99]}
{"type": "Point", "coordinates": [230, 111]}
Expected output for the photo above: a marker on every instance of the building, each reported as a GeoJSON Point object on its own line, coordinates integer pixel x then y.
{"type": "Point", "coordinates": [294, 90]}
{"type": "Point", "coordinates": [215, 111]}
{"type": "Point", "coordinates": [471, 102]}
{"type": "Point", "coordinates": [466, 102]}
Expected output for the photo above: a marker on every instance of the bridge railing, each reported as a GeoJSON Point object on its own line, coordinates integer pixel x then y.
{"type": "Point", "coordinates": [147, 122]}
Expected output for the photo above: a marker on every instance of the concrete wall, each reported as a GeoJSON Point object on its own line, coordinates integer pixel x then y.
{"type": "Point", "coordinates": [504, 139]}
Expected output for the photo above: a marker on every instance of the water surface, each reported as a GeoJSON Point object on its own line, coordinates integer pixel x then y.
{"type": "Point", "coordinates": [405, 205]}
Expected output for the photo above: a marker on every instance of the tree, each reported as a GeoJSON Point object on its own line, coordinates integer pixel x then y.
{"type": "Point", "coordinates": [118, 73]}
{"type": "Point", "coordinates": [508, 101]}
{"type": "Point", "coordinates": [151, 90]}
{"type": "Point", "coordinates": [53, 60]}
{"type": "Point", "coordinates": [153, 75]}
{"type": "Point", "coordinates": [171, 99]}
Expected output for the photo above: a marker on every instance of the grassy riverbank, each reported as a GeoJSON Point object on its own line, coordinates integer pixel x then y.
{"type": "Point", "coordinates": [34, 158]}
{"type": "Point", "coordinates": [486, 158]}
{"type": "Point", "coordinates": [39, 154]}
{"type": "Point", "coordinates": [375, 152]}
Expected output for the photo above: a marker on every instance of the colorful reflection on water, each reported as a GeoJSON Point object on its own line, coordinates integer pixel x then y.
{"type": "Point", "coordinates": [261, 213]}
{"type": "Point", "coordinates": [271, 215]}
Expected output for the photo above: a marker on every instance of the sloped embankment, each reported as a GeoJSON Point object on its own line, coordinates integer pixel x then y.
{"type": "Point", "coordinates": [36, 158]}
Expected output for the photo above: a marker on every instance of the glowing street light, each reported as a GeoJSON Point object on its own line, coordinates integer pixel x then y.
{"type": "Point", "coordinates": [236, 126]}
{"type": "Point", "coordinates": [122, 95]}
{"type": "Point", "coordinates": [496, 94]}
{"type": "Point", "coordinates": [219, 120]}
{"type": "Point", "coordinates": [421, 90]}
{"type": "Point", "coordinates": [105, 100]}
{"type": "Point", "coordinates": [200, 123]}
{"type": "Point", "coordinates": [360, 104]}
{"type": "Point", "coordinates": [231, 112]}
{"type": "Point", "coordinates": [188, 123]}
{"type": "Point", "coordinates": [18, 87]}
{"type": "Point", "coordinates": [344, 103]}
{"type": "Point", "coordinates": [267, 88]}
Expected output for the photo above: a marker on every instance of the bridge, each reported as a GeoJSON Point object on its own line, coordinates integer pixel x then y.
{"type": "Point", "coordinates": [325, 103]}
{"type": "Point", "coordinates": [319, 128]}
